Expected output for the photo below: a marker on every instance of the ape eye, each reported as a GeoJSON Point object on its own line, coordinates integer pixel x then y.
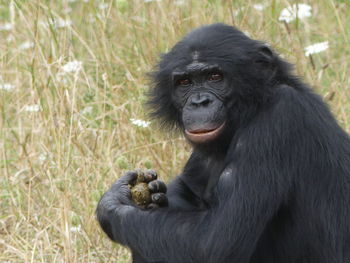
{"type": "Point", "coordinates": [215, 77]}
{"type": "Point", "coordinates": [184, 82]}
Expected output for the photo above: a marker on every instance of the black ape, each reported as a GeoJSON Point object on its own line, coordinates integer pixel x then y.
{"type": "Point", "coordinates": [269, 176]}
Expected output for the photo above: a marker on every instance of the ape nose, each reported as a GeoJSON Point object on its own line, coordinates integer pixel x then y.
{"type": "Point", "coordinates": [200, 100]}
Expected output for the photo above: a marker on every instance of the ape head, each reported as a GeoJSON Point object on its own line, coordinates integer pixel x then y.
{"type": "Point", "coordinates": [213, 81]}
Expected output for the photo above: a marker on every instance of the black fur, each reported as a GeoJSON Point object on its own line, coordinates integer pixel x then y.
{"type": "Point", "coordinates": [282, 169]}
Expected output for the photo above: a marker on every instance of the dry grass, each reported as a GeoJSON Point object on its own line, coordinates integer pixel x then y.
{"type": "Point", "coordinates": [56, 162]}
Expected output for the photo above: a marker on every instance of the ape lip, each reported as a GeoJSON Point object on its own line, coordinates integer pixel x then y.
{"type": "Point", "coordinates": [202, 135]}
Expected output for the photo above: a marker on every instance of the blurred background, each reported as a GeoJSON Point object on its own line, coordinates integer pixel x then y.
{"type": "Point", "coordinates": [72, 92]}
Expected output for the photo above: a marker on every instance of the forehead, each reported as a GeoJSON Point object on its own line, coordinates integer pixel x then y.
{"type": "Point", "coordinates": [195, 65]}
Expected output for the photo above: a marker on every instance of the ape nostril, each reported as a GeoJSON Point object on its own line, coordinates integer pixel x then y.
{"type": "Point", "coordinates": [200, 101]}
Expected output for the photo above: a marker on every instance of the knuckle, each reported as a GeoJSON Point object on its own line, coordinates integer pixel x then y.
{"type": "Point", "coordinates": [152, 206]}
{"type": "Point", "coordinates": [159, 199]}
{"type": "Point", "coordinates": [156, 198]}
{"type": "Point", "coordinates": [151, 175]}
{"type": "Point", "coordinates": [155, 186]}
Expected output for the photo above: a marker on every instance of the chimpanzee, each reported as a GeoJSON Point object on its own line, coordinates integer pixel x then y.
{"type": "Point", "coordinates": [268, 180]}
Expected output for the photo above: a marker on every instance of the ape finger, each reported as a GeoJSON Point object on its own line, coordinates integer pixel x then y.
{"type": "Point", "coordinates": [122, 184]}
{"type": "Point", "coordinates": [120, 190]}
{"type": "Point", "coordinates": [152, 206]}
{"type": "Point", "coordinates": [157, 186]}
{"type": "Point", "coordinates": [127, 178]}
{"type": "Point", "coordinates": [150, 175]}
{"type": "Point", "coordinates": [160, 199]}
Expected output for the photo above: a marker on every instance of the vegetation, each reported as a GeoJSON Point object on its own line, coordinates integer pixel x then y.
{"type": "Point", "coordinates": [72, 119]}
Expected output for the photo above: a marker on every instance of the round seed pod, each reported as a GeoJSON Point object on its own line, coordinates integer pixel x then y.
{"type": "Point", "coordinates": [141, 195]}
{"type": "Point", "coordinates": [140, 192]}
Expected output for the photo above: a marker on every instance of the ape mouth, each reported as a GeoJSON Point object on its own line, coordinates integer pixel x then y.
{"type": "Point", "coordinates": [204, 135]}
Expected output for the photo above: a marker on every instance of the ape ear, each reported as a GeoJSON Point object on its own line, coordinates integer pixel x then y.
{"type": "Point", "coordinates": [264, 54]}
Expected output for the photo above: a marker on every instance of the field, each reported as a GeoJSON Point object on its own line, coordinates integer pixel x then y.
{"type": "Point", "coordinates": [72, 115]}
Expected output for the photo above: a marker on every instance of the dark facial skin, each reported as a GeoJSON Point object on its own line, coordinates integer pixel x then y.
{"type": "Point", "coordinates": [199, 95]}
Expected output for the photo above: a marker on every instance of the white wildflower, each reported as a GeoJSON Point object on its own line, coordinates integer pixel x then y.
{"type": "Point", "coordinates": [76, 229]}
{"type": "Point", "coordinates": [87, 110]}
{"type": "Point", "coordinates": [140, 123]}
{"type": "Point", "coordinates": [295, 11]}
{"type": "Point", "coordinates": [60, 23]}
{"type": "Point", "coordinates": [10, 38]}
{"type": "Point", "coordinates": [57, 22]}
{"type": "Point", "coordinates": [72, 66]}
{"type": "Point", "coordinates": [71, 1]}
{"type": "Point", "coordinates": [26, 45]}
{"type": "Point", "coordinates": [32, 108]}
{"type": "Point", "coordinates": [43, 157]}
{"type": "Point", "coordinates": [259, 7]}
{"type": "Point", "coordinates": [6, 27]}
{"type": "Point", "coordinates": [179, 2]}
{"type": "Point", "coordinates": [105, 77]}
{"type": "Point", "coordinates": [6, 86]}
{"type": "Point", "coordinates": [316, 48]}
{"type": "Point", "coordinates": [103, 6]}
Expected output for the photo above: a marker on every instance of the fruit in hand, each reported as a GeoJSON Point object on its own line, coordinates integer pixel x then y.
{"type": "Point", "coordinates": [140, 192]}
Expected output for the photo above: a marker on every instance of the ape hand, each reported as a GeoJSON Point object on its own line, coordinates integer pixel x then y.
{"type": "Point", "coordinates": [114, 205]}
{"type": "Point", "coordinates": [117, 201]}
{"type": "Point", "coordinates": [146, 191]}
{"type": "Point", "coordinates": [128, 190]}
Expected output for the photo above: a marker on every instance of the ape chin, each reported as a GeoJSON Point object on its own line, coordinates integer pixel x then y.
{"type": "Point", "coordinates": [268, 179]}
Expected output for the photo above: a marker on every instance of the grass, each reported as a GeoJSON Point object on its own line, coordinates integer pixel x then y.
{"type": "Point", "coordinates": [65, 137]}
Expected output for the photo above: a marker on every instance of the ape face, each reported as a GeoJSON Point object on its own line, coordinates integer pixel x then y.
{"type": "Point", "coordinates": [199, 91]}
{"type": "Point", "coordinates": [212, 82]}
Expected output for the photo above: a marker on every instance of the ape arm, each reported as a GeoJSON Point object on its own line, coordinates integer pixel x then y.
{"type": "Point", "coordinates": [230, 229]}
